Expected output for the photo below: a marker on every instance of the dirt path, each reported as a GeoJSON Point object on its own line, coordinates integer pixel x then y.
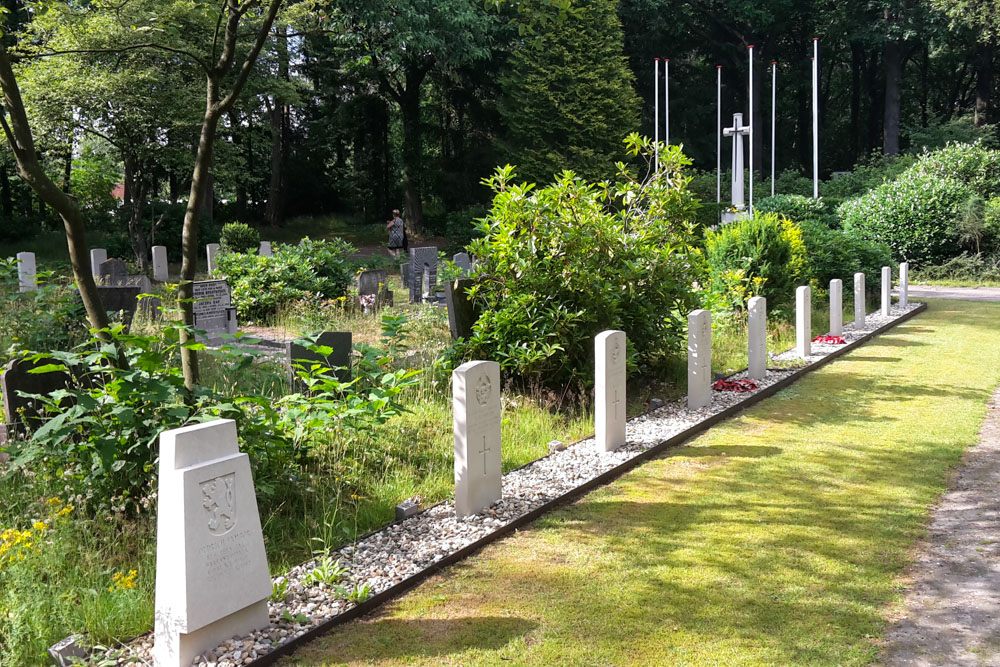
{"type": "Point", "coordinates": [951, 615]}
{"type": "Point", "coordinates": [961, 293]}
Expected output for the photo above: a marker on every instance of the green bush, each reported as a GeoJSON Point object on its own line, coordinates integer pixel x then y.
{"type": "Point", "coordinates": [966, 267]}
{"type": "Point", "coordinates": [915, 215]}
{"type": "Point", "coordinates": [763, 255]}
{"type": "Point", "coordinates": [866, 175]}
{"type": "Point", "coordinates": [239, 237]}
{"type": "Point", "coordinates": [798, 208]}
{"type": "Point", "coordinates": [837, 254]}
{"type": "Point", "coordinates": [974, 165]}
{"type": "Point", "coordinates": [561, 263]}
{"type": "Point", "coordinates": [261, 285]}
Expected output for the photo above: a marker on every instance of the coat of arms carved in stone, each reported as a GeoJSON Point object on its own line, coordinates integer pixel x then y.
{"type": "Point", "coordinates": [219, 500]}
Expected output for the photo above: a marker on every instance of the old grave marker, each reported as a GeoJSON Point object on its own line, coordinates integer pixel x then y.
{"type": "Point", "coordinates": [423, 274]}
{"type": "Point", "coordinates": [160, 270]}
{"type": "Point", "coordinates": [757, 337]}
{"type": "Point", "coordinates": [859, 301]}
{"type": "Point", "coordinates": [699, 359]}
{"type": "Point", "coordinates": [340, 342]}
{"type": "Point", "coordinates": [476, 397]}
{"type": "Point", "coordinates": [27, 271]}
{"type": "Point", "coordinates": [213, 307]}
{"type": "Point", "coordinates": [112, 272]}
{"type": "Point", "coordinates": [610, 354]}
{"type": "Point", "coordinates": [803, 321]}
{"type": "Point", "coordinates": [836, 307]}
{"type": "Point", "coordinates": [462, 314]}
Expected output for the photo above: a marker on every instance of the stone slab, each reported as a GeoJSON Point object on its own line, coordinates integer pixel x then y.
{"type": "Point", "coordinates": [264, 250]}
{"type": "Point", "coordinates": [18, 410]}
{"type": "Point", "coordinates": [476, 401]}
{"type": "Point", "coordinates": [160, 266]}
{"type": "Point", "coordinates": [211, 253]}
{"type": "Point", "coordinates": [886, 290]}
{"type": "Point", "coordinates": [27, 272]}
{"type": "Point", "coordinates": [803, 321]}
{"type": "Point", "coordinates": [610, 356]}
{"type": "Point", "coordinates": [757, 337]}
{"type": "Point", "coordinates": [341, 344]}
{"type": "Point", "coordinates": [836, 307]}
{"type": "Point", "coordinates": [97, 257]}
{"type": "Point", "coordinates": [699, 390]}
{"type": "Point", "coordinates": [213, 307]}
{"type": "Point", "coordinates": [372, 282]}
{"type": "Point", "coordinates": [463, 261]}
{"type": "Point", "coordinates": [423, 274]}
{"type": "Point", "coordinates": [462, 313]}
{"type": "Point", "coordinates": [112, 272]}
{"type": "Point", "coordinates": [860, 305]}
{"type": "Point", "coordinates": [904, 284]}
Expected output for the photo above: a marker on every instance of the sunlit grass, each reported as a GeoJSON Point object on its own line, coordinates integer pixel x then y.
{"type": "Point", "coordinates": [776, 538]}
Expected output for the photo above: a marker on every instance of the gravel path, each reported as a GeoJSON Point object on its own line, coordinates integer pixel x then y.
{"type": "Point", "coordinates": [960, 293]}
{"type": "Point", "coordinates": [951, 614]}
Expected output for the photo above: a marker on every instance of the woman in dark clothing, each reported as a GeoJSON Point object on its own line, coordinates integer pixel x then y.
{"type": "Point", "coordinates": [397, 234]}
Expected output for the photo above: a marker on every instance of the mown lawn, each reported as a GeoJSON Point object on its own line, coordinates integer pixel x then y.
{"type": "Point", "coordinates": [778, 537]}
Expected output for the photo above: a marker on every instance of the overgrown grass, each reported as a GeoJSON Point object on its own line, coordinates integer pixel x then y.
{"type": "Point", "coordinates": [776, 538]}
{"type": "Point", "coordinates": [327, 227]}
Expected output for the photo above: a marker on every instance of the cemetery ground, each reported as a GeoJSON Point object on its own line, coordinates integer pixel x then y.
{"type": "Point", "coordinates": [782, 536]}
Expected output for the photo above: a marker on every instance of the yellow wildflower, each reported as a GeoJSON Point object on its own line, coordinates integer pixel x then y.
{"type": "Point", "coordinates": [39, 526]}
{"type": "Point", "coordinates": [121, 582]}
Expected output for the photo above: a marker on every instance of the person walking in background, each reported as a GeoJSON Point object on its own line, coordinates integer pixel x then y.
{"type": "Point", "coordinates": [397, 234]}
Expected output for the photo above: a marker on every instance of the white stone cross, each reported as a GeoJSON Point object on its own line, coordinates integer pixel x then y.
{"type": "Point", "coordinates": [737, 132]}
{"type": "Point", "coordinates": [609, 380]}
{"type": "Point", "coordinates": [475, 389]}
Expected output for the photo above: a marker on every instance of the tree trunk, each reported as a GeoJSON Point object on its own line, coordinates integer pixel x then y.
{"type": "Point", "coordinates": [19, 137]}
{"type": "Point", "coordinates": [67, 168]}
{"type": "Point", "coordinates": [874, 102]}
{"type": "Point", "coordinates": [892, 56]}
{"type": "Point", "coordinates": [409, 104]}
{"type": "Point", "coordinates": [280, 111]}
{"type": "Point", "coordinates": [6, 199]}
{"type": "Point", "coordinates": [857, 61]}
{"type": "Point", "coordinates": [984, 83]}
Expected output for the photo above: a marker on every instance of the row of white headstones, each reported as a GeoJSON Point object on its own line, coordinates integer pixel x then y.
{"type": "Point", "coordinates": [212, 578]}
{"type": "Point", "coordinates": [27, 268]}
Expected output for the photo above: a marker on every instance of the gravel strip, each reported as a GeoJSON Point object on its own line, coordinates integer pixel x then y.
{"type": "Point", "coordinates": [387, 557]}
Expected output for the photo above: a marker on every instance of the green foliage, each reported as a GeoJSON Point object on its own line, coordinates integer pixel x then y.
{"type": "Point", "coordinates": [834, 253]}
{"type": "Point", "coordinates": [978, 268]}
{"type": "Point", "coordinates": [327, 571]}
{"type": "Point", "coordinates": [991, 222]}
{"type": "Point", "coordinates": [957, 130]}
{"type": "Point", "coordinates": [797, 208]}
{"type": "Point", "coordinates": [239, 237]}
{"type": "Point", "coordinates": [569, 96]}
{"type": "Point", "coordinates": [763, 255]}
{"type": "Point", "coordinates": [867, 174]}
{"type": "Point", "coordinates": [93, 179]}
{"type": "Point", "coordinates": [561, 263]}
{"type": "Point", "coordinates": [261, 285]}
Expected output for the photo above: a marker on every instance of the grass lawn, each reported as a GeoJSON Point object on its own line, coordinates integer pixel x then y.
{"type": "Point", "coordinates": [779, 537]}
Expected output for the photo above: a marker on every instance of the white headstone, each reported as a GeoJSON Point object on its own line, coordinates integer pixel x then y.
{"type": "Point", "coordinates": [699, 359]}
{"type": "Point", "coordinates": [803, 321]}
{"type": "Point", "coordinates": [904, 284]}
{"type": "Point", "coordinates": [97, 257]}
{"type": "Point", "coordinates": [886, 291]}
{"type": "Point", "coordinates": [859, 301]}
{"type": "Point", "coordinates": [609, 390]}
{"type": "Point", "coordinates": [212, 580]}
{"type": "Point", "coordinates": [211, 250]}
{"type": "Point", "coordinates": [476, 394]}
{"type": "Point", "coordinates": [836, 307]}
{"type": "Point", "coordinates": [27, 272]}
{"type": "Point", "coordinates": [160, 271]}
{"type": "Point", "coordinates": [265, 249]}
{"type": "Point", "coordinates": [757, 335]}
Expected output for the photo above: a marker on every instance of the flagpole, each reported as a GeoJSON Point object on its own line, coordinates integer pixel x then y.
{"type": "Point", "coordinates": [656, 113]}
{"type": "Point", "coordinates": [666, 100]}
{"type": "Point", "coordinates": [718, 135]}
{"type": "Point", "coordinates": [774, 115]}
{"type": "Point", "coordinates": [750, 207]}
{"type": "Point", "coordinates": [815, 67]}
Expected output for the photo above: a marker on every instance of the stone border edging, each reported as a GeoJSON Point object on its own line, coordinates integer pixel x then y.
{"type": "Point", "coordinates": [413, 580]}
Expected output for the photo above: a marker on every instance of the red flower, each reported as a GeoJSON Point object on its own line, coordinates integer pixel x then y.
{"type": "Point", "coordinates": [833, 340]}
{"type": "Point", "coordinates": [734, 385]}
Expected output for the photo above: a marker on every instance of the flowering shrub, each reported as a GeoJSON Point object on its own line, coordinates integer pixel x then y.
{"type": "Point", "coordinates": [735, 385]}
{"type": "Point", "coordinates": [832, 340]}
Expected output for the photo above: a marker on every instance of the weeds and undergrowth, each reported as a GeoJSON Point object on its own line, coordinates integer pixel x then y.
{"type": "Point", "coordinates": [775, 538]}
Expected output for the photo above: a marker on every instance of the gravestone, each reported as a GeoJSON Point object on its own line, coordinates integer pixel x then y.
{"type": "Point", "coordinates": [859, 301]}
{"type": "Point", "coordinates": [212, 580]}
{"type": "Point", "coordinates": [836, 307]}
{"type": "Point", "coordinates": [423, 274]}
{"type": "Point", "coordinates": [265, 249]}
{"type": "Point", "coordinates": [18, 410]}
{"type": "Point", "coordinates": [125, 299]}
{"type": "Point", "coordinates": [886, 291]}
{"type": "Point", "coordinates": [341, 342]}
{"type": "Point", "coordinates": [609, 390]}
{"type": "Point", "coordinates": [904, 284]}
{"type": "Point", "coordinates": [699, 359]}
{"type": "Point", "coordinates": [737, 132]}
{"type": "Point", "coordinates": [160, 270]}
{"type": "Point", "coordinates": [476, 399]}
{"type": "Point", "coordinates": [211, 252]}
{"type": "Point", "coordinates": [97, 257]}
{"type": "Point", "coordinates": [372, 282]}
{"type": "Point", "coordinates": [757, 337]}
{"type": "Point", "coordinates": [464, 262]}
{"type": "Point", "coordinates": [112, 272]}
{"type": "Point", "coordinates": [213, 307]}
{"type": "Point", "coordinates": [462, 314]}
{"type": "Point", "coordinates": [803, 321]}
{"type": "Point", "coordinates": [404, 274]}
{"type": "Point", "coordinates": [27, 272]}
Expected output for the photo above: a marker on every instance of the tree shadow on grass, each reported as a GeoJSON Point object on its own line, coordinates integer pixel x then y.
{"type": "Point", "coordinates": [731, 451]}
{"type": "Point", "coordinates": [382, 638]}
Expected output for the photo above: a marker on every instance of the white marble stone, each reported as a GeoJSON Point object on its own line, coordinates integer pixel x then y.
{"type": "Point", "coordinates": [27, 272]}
{"type": "Point", "coordinates": [211, 251]}
{"type": "Point", "coordinates": [859, 300]}
{"type": "Point", "coordinates": [160, 271]}
{"type": "Point", "coordinates": [803, 321]}
{"type": "Point", "coordinates": [886, 290]}
{"type": "Point", "coordinates": [609, 390]}
{"type": "Point", "coordinates": [836, 307]}
{"type": "Point", "coordinates": [699, 359]}
{"type": "Point", "coordinates": [212, 580]}
{"type": "Point", "coordinates": [476, 396]}
{"type": "Point", "coordinates": [904, 284]}
{"type": "Point", "coordinates": [265, 249]}
{"type": "Point", "coordinates": [97, 257]}
{"type": "Point", "coordinates": [757, 337]}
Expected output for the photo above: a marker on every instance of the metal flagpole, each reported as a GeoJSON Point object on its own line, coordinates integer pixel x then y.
{"type": "Point", "coordinates": [656, 113]}
{"type": "Point", "coordinates": [666, 100]}
{"type": "Point", "coordinates": [774, 115]}
{"type": "Point", "coordinates": [815, 117]}
{"type": "Point", "coordinates": [718, 135]}
{"type": "Point", "coordinates": [751, 131]}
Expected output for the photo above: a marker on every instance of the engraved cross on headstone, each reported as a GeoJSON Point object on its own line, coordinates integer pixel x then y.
{"type": "Point", "coordinates": [483, 452]}
{"type": "Point", "coordinates": [616, 402]}
{"type": "Point", "coordinates": [737, 132]}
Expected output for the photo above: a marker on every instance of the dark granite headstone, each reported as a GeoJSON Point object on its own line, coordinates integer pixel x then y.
{"type": "Point", "coordinates": [342, 344]}
{"type": "Point", "coordinates": [464, 262]}
{"type": "Point", "coordinates": [404, 274]}
{"type": "Point", "coordinates": [372, 282]}
{"type": "Point", "coordinates": [462, 315]}
{"type": "Point", "coordinates": [423, 274]}
{"type": "Point", "coordinates": [113, 272]}
{"type": "Point", "coordinates": [18, 410]}
{"type": "Point", "coordinates": [213, 307]}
